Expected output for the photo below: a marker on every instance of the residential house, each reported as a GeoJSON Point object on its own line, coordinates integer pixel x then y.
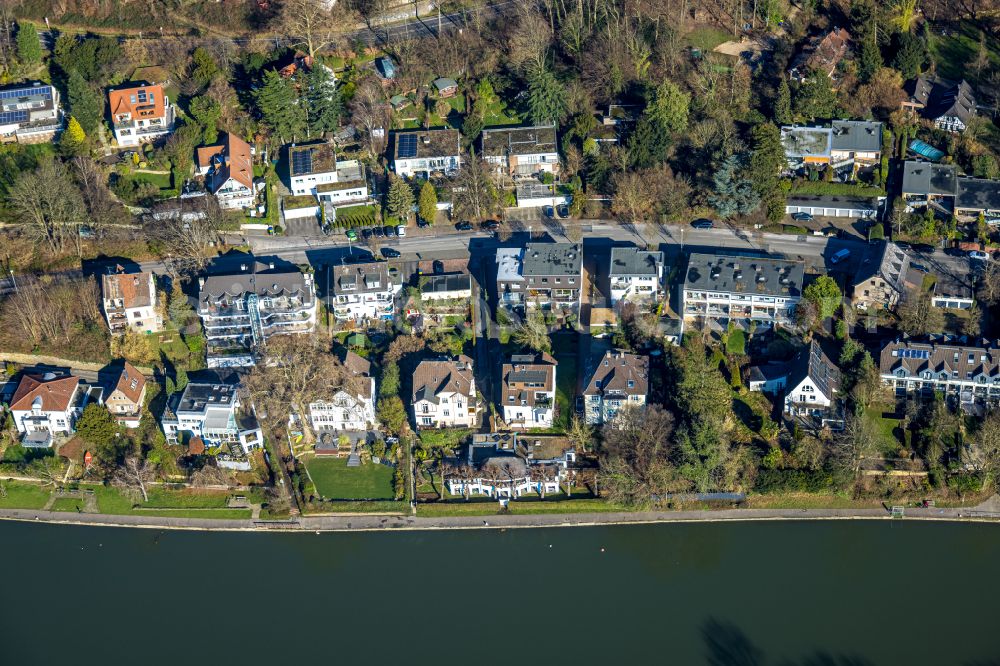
{"type": "Point", "coordinates": [533, 193]}
{"type": "Point", "coordinates": [884, 277]}
{"type": "Point", "coordinates": [426, 152]}
{"type": "Point", "coordinates": [129, 302]}
{"type": "Point", "coordinates": [949, 105]}
{"type": "Point", "coordinates": [240, 309]}
{"type": "Point", "coordinates": [528, 391]}
{"type": "Point", "coordinates": [228, 171]}
{"type": "Point", "coordinates": [128, 396]}
{"type": "Point", "coordinates": [821, 54]}
{"type": "Point", "coordinates": [809, 382]}
{"type": "Point", "coordinates": [969, 371]}
{"type": "Point", "coordinates": [635, 275]}
{"type": "Point", "coordinates": [545, 276]}
{"type": "Point", "coordinates": [846, 146]}
{"type": "Point", "coordinates": [140, 113]}
{"type": "Point", "coordinates": [445, 87]}
{"type": "Point", "coordinates": [521, 151]}
{"type": "Point", "coordinates": [618, 379]}
{"type": "Point", "coordinates": [314, 170]}
{"type": "Point", "coordinates": [352, 407]}
{"type": "Point", "coordinates": [29, 113]}
{"type": "Point", "coordinates": [444, 394]}
{"type": "Point", "coordinates": [218, 413]}
{"type": "Point", "coordinates": [364, 292]}
{"type": "Point", "coordinates": [445, 287]}
{"type": "Point", "coordinates": [727, 288]}
{"type": "Point", "coordinates": [504, 466]}
{"type": "Point", "coordinates": [941, 188]}
{"type": "Point", "coordinates": [48, 404]}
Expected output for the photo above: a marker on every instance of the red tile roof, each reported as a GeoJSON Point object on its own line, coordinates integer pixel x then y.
{"type": "Point", "coordinates": [236, 162]}
{"type": "Point", "coordinates": [131, 382]}
{"type": "Point", "coordinates": [55, 393]}
{"type": "Point", "coordinates": [120, 102]}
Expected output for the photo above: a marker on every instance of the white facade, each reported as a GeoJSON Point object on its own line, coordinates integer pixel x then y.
{"type": "Point", "coordinates": [30, 113]}
{"type": "Point", "coordinates": [213, 412]}
{"type": "Point", "coordinates": [345, 411]}
{"type": "Point", "coordinates": [531, 416]}
{"type": "Point", "coordinates": [805, 397]}
{"type": "Point", "coordinates": [635, 275]}
{"type": "Point", "coordinates": [129, 303]}
{"type": "Point", "coordinates": [407, 168]}
{"type": "Point", "coordinates": [363, 292]}
{"type": "Point", "coordinates": [234, 195]}
{"type": "Point", "coordinates": [450, 410]}
{"type": "Point", "coordinates": [140, 114]}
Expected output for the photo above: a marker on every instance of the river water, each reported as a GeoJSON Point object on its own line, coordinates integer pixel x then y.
{"type": "Point", "coordinates": [784, 593]}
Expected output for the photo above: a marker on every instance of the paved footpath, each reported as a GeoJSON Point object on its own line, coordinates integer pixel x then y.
{"type": "Point", "coordinates": [361, 522]}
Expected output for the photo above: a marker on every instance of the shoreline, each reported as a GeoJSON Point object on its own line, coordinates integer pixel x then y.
{"type": "Point", "coordinates": [384, 523]}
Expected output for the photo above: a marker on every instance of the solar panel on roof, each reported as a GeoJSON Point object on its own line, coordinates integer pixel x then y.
{"type": "Point", "coordinates": [915, 353]}
{"type": "Point", "coordinates": [407, 146]}
{"type": "Point", "coordinates": [301, 162]}
{"type": "Point", "coordinates": [13, 116]}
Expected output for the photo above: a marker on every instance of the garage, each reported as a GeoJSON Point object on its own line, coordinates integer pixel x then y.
{"type": "Point", "coordinates": [818, 206]}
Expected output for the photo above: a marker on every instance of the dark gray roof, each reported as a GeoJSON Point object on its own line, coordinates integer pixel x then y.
{"type": "Point", "coordinates": [445, 282]}
{"type": "Point", "coordinates": [743, 274]}
{"type": "Point", "coordinates": [947, 98]}
{"type": "Point", "coordinates": [197, 396]}
{"type": "Point", "coordinates": [519, 140]}
{"type": "Point", "coordinates": [633, 261]}
{"type": "Point", "coordinates": [552, 259]}
{"type": "Point", "coordinates": [361, 278]}
{"type": "Point", "coordinates": [258, 278]}
{"type": "Point", "coordinates": [813, 363]}
{"type": "Point", "coordinates": [927, 178]}
{"type": "Point", "coordinates": [978, 194]}
{"type": "Point", "coordinates": [768, 372]}
{"type": "Point", "coordinates": [857, 135]}
{"type": "Point", "coordinates": [886, 261]}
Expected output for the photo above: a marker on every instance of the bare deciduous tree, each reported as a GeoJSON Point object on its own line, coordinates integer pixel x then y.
{"type": "Point", "coordinates": [313, 25]}
{"type": "Point", "coordinates": [133, 477]}
{"type": "Point", "coordinates": [49, 202]}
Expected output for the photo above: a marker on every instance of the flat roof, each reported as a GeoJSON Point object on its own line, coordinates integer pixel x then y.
{"type": "Point", "coordinates": [519, 140]}
{"type": "Point", "coordinates": [309, 158]}
{"type": "Point", "coordinates": [419, 144]}
{"type": "Point", "coordinates": [633, 261]}
{"type": "Point", "coordinates": [807, 141]}
{"type": "Point", "coordinates": [978, 194]}
{"type": "Point", "coordinates": [744, 274]}
{"type": "Point", "coordinates": [857, 135]}
{"type": "Point", "coordinates": [926, 178]}
{"type": "Point", "coordinates": [552, 259]}
{"type": "Point", "coordinates": [509, 264]}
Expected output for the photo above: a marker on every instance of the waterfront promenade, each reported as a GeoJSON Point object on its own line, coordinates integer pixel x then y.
{"type": "Point", "coordinates": [374, 522]}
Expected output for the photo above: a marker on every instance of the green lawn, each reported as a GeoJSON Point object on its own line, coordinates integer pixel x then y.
{"type": "Point", "coordinates": [446, 437]}
{"type": "Point", "coordinates": [890, 430]}
{"type": "Point", "coordinates": [955, 53]}
{"type": "Point", "coordinates": [565, 352]}
{"type": "Point", "coordinates": [379, 506]}
{"type": "Point", "coordinates": [23, 495]}
{"type": "Point", "coordinates": [488, 507]}
{"type": "Point", "coordinates": [707, 38]}
{"type": "Point", "coordinates": [110, 500]}
{"type": "Point", "coordinates": [161, 180]}
{"type": "Point", "coordinates": [736, 343]}
{"type": "Point", "coordinates": [333, 479]}
{"type": "Point", "coordinates": [70, 504]}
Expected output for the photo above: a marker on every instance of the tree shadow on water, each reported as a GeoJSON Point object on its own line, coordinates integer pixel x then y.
{"type": "Point", "coordinates": [727, 645]}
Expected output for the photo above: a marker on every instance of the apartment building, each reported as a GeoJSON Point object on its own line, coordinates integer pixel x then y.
{"type": "Point", "coordinates": [742, 289]}
{"type": "Point", "coordinates": [635, 275]}
{"type": "Point", "coordinates": [313, 169]}
{"type": "Point", "coordinates": [970, 371]}
{"type": "Point", "coordinates": [140, 113]}
{"type": "Point", "coordinates": [618, 379]}
{"type": "Point", "coordinates": [544, 276]}
{"type": "Point", "coordinates": [364, 292]}
{"type": "Point", "coordinates": [351, 408]}
{"type": "Point", "coordinates": [29, 113]}
{"type": "Point", "coordinates": [241, 309]}
{"type": "Point", "coordinates": [217, 413]}
{"type": "Point", "coordinates": [528, 391]}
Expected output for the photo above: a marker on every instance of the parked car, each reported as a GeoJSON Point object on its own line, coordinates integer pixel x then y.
{"type": "Point", "coordinates": [978, 255]}
{"type": "Point", "coordinates": [548, 212]}
{"type": "Point", "coordinates": [421, 223]}
{"type": "Point", "coordinates": [390, 253]}
{"type": "Point", "coordinates": [351, 234]}
{"type": "Point", "coordinates": [401, 230]}
{"type": "Point", "coordinates": [562, 210]}
{"type": "Point", "coordinates": [702, 223]}
{"type": "Point", "coordinates": [926, 248]}
{"type": "Point", "coordinates": [490, 225]}
{"type": "Point", "coordinates": [389, 230]}
{"type": "Point", "coordinates": [802, 217]}
{"type": "Point", "coordinates": [839, 256]}
{"type": "Point", "coordinates": [366, 233]}
{"type": "Point", "coordinates": [579, 405]}
{"type": "Point", "coordinates": [464, 226]}
{"type": "Point", "coordinates": [377, 232]}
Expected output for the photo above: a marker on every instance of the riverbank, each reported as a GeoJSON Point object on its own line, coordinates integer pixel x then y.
{"type": "Point", "coordinates": [369, 523]}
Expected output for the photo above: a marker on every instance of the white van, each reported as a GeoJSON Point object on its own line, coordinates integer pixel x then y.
{"type": "Point", "coordinates": [840, 256]}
